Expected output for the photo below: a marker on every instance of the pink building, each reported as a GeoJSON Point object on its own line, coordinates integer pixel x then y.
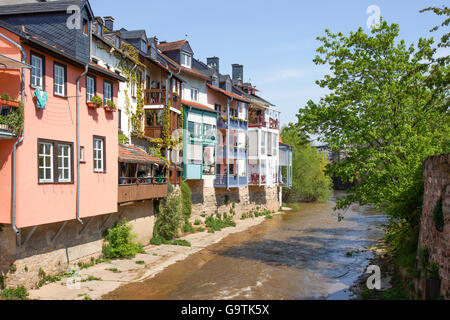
{"type": "Point", "coordinates": [47, 181]}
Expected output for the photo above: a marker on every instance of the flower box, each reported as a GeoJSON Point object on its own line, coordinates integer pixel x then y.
{"type": "Point", "coordinates": [110, 109]}
{"type": "Point", "coordinates": [92, 105]}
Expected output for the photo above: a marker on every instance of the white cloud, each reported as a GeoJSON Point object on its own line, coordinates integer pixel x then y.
{"type": "Point", "coordinates": [442, 52]}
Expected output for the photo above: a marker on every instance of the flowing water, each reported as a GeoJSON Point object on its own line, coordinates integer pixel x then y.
{"type": "Point", "coordinates": [304, 254]}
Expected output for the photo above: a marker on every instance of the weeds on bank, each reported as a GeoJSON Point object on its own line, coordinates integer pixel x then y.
{"type": "Point", "coordinates": [258, 212]}
{"type": "Point", "coordinates": [19, 293]}
{"type": "Point", "coordinates": [120, 242]}
{"type": "Point", "coordinates": [219, 222]}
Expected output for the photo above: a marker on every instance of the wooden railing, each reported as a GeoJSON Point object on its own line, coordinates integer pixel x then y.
{"type": "Point", "coordinates": [138, 189]}
{"type": "Point", "coordinates": [155, 97]}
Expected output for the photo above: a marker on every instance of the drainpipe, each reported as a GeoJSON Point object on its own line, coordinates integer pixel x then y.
{"type": "Point", "coordinates": [78, 143]}
{"type": "Point", "coordinates": [19, 141]}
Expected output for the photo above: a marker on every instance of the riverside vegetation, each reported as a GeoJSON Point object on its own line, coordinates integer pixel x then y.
{"type": "Point", "coordinates": [388, 110]}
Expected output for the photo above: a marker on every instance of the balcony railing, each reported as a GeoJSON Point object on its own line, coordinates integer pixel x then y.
{"type": "Point", "coordinates": [233, 181]}
{"type": "Point", "coordinates": [238, 124]}
{"type": "Point", "coordinates": [259, 122]}
{"type": "Point", "coordinates": [255, 178]}
{"type": "Point", "coordinates": [155, 97]}
{"type": "Point", "coordinates": [139, 189]}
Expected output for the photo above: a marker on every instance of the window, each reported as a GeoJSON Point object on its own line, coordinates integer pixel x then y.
{"type": "Point", "coordinates": [263, 143]}
{"type": "Point", "coordinates": [194, 94]}
{"type": "Point", "coordinates": [143, 46]}
{"type": "Point", "coordinates": [186, 60]}
{"type": "Point", "coordinates": [209, 131]}
{"type": "Point", "coordinates": [218, 108]}
{"type": "Point", "coordinates": [55, 168]}
{"type": "Point", "coordinates": [85, 27]}
{"type": "Point", "coordinates": [107, 91]}
{"type": "Point", "coordinates": [82, 154]}
{"type": "Point", "coordinates": [38, 70]}
{"type": "Point", "coordinates": [59, 79]}
{"type": "Point", "coordinates": [99, 154]}
{"type": "Point", "coordinates": [133, 89]}
{"type": "Point", "coordinates": [64, 165]}
{"type": "Point", "coordinates": [195, 129]}
{"type": "Point", "coordinates": [118, 42]}
{"type": "Point", "coordinates": [99, 29]}
{"type": "Point", "coordinates": [90, 87]}
{"type": "Point", "coordinates": [154, 118]}
{"type": "Point", "coordinates": [45, 162]}
{"type": "Point", "coordinates": [119, 116]}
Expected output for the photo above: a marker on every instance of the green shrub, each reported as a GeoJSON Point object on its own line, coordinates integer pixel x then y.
{"type": "Point", "coordinates": [186, 196]}
{"type": "Point", "coordinates": [217, 224]}
{"type": "Point", "coordinates": [120, 242]}
{"type": "Point", "coordinates": [97, 100]}
{"type": "Point", "coordinates": [188, 228]}
{"type": "Point", "coordinates": [197, 222]}
{"type": "Point", "coordinates": [169, 219]}
{"type": "Point", "coordinates": [123, 139]}
{"type": "Point", "coordinates": [19, 293]}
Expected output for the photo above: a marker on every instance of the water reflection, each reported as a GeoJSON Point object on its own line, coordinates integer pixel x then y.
{"type": "Point", "coordinates": [306, 254]}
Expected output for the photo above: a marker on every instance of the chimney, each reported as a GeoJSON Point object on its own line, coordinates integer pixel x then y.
{"type": "Point", "coordinates": [213, 62]}
{"type": "Point", "coordinates": [109, 23]}
{"type": "Point", "coordinates": [238, 72]}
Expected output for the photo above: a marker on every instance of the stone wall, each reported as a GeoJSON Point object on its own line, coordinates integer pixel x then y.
{"type": "Point", "coordinates": [75, 243]}
{"type": "Point", "coordinates": [437, 178]}
{"type": "Point", "coordinates": [208, 200]}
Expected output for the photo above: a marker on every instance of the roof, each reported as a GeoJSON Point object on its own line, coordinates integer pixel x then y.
{"type": "Point", "coordinates": [132, 34]}
{"type": "Point", "coordinates": [42, 7]}
{"type": "Point", "coordinates": [228, 94]}
{"type": "Point", "coordinates": [12, 63]}
{"type": "Point", "coordinates": [183, 69]}
{"type": "Point", "coordinates": [106, 72]}
{"type": "Point", "coordinates": [197, 105]}
{"type": "Point", "coordinates": [132, 154]}
{"type": "Point", "coordinates": [171, 46]}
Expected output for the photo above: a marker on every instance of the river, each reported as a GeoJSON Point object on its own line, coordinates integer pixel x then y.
{"type": "Point", "coordinates": [303, 254]}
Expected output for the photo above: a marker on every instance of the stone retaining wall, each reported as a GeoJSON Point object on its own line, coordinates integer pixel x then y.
{"type": "Point", "coordinates": [437, 179]}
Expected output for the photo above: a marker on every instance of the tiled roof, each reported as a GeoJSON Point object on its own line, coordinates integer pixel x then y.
{"type": "Point", "coordinates": [197, 105]}
{"type": "Point", "coordinates": [132, 154]}
{"type": "Point", "coordinates": [171, 46]}
{"type": "Point", "coordinates": [183, 69]}
{"type": "Point", "coordinates": [132, 34]}
{"type": "Point", "coordinates": [229, 94]}
{"type": "Point", "coordinates": [51, 6]}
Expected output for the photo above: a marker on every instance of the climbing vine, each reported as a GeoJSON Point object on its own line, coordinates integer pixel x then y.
{"type": "Point", "coordinates": [128, 70]}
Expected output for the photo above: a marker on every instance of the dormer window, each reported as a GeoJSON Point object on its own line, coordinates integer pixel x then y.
{"type": "Point", "coordinates": [186, 60]}
{"type": "Point", "coordinates": [118, 42]}
{"type": "Point", "coordinates": [143, 46]}
{"type": "Point", "coordinates": [99, 30]}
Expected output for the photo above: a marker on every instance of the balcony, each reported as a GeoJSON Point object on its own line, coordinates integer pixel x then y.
{"type": "Point", "coordinates": [139, 189]}
{"type": "Point", "coordinates": [6, 131]}
{"type": "Point", "coordinates": [259, 122]}
{"type": "Point", "coordinates": [233, 152]}
{"type": "Point", "coordinates": [235, 124]}
{"type": "Point", "coordinates": [233, 181]}
{"type": "Point", "coordinates": [154, 97]}
{"type": "Point", "coordinates": [256, 179]}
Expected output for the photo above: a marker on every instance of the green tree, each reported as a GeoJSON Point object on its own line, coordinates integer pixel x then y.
{"type": "Point", "coordinates": [384, 113]}
{"type": "Point", "coordinates": [309, 182]}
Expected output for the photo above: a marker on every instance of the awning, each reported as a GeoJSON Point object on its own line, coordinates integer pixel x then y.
{"type": "Point", "coordinates": [133, 154]}
{"type": "Point", "coordinates": [6, 62]}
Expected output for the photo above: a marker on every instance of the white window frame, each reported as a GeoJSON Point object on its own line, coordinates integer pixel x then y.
{"type": "Point", "coordinates": [45, 155]}
{"type": "Point", "coordinates": [59, 80]}
{"type": "Point", "coordinates": [65, 166]}
{"type": "Point", "coordinates": [99, 155]}
{"type": "Point", "coordinates": [90, 95]}
{"type": "Point", "coordinates": [194, 92]}
{"type": "Point", "coordinates": [186, 60]}
{"type": "Point", "coordinates": [105, 85]}
{"type": "Point", "coordinates": [37, 72]}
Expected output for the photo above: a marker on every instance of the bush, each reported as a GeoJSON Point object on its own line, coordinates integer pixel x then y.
{"type": "Point", "coordinates": [186, 196]}
{"type": "Point", "coordinates": [217, 224]}
{"type": "Point", "coordinates": [188, 228]}
{"type": "Point", "coordinates": [169, 220]}
{"type": "Point", "coordinates": [19, 293]}
{"type": "Point", "coordinates": [120, 242]}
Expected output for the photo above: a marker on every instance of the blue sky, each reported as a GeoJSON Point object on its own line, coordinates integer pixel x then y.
{"type": "Point", "coordinates": [274, 40]}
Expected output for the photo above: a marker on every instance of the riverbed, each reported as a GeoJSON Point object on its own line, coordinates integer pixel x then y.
{"type": "Point", "coordinates": [302, 254]}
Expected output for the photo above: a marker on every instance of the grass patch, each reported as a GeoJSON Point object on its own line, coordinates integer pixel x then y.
{"type": "Point", "coordinates": [219, 223]}
{"type": "Point", "coordinates": [140, 262]}
{"type": "Point", "coordinates": [91, 278]}
{"type": "Point", "coordinates": [114, 270]}
{"type": "Point", "coordinates": [197, 222]}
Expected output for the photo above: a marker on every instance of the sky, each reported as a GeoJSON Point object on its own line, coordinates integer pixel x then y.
{"type": "Point", "coordinates": [274, 40]}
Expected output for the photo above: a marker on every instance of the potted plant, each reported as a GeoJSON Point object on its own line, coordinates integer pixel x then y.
{"type": "Point", "coordinates": [110, 106]}
{"type": "Point", "coordinates": [96, 102]}
{"type": "Point", "coordinates": [4, 99]}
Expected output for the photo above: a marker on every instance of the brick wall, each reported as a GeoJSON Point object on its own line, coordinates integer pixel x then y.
{"type": "Point", "coordinates": [436, 173]}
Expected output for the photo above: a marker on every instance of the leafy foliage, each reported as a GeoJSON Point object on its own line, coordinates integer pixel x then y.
{"type": "Point", "coordinates": [309, 182]}
{"type": "Point", "coordinates": [186, 198]}
{"type": "Point", "coordinates": [384, 111]}
{"type": "Point", "coordinates": [169, 219]}
{"type": "Point", "coordinates": [120, 242]}
{"type": "Point", "coordinates": [219, 223]}
{"type": "Point", "coordinates": [123, 139]}
{"type": "Point", "coordinates": [19, 293]}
